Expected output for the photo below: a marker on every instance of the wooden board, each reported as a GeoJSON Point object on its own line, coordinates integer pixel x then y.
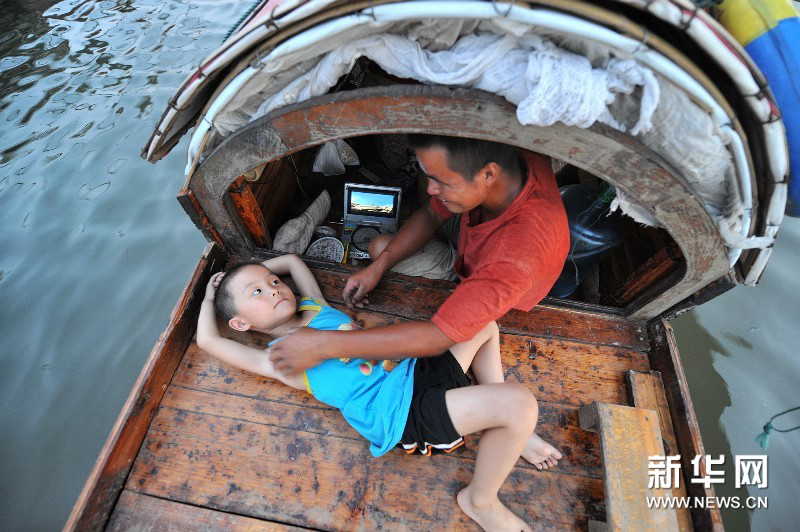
{"type": "Point", "coordinates": [203, 385]}
{"type": "Point", "coordinates": [421, 298]}
{"type": "Point", "coordinates": [211, 402]}
{"type": "Point", "coordinates": [234, 447]}
{"type": "Point", "coordinates": [143, 513]}
{"type": "Point", "coordinates": [665, 261]}
{"type": "Point", "coordinates": [629, 436]}
{"type": "Point", "coordinates": [276, 190]}
{"type": "Point", "coordinates": [246, 205]}
{"type": "Point", "coordinates": [324, 481]}
{"type": "Point", "coordinates": [647, 391]}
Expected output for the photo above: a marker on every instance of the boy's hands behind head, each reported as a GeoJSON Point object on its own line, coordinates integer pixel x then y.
{"type": "Point", "coordinates": [213, 284]}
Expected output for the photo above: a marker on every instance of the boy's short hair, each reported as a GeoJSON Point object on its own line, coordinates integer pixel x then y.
{"type": "Point", "coordinates": [224, 304]}
{"type": "Point", "coordinates": [468, 156]}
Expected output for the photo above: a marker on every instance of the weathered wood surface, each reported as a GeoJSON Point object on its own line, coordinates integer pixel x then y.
{"type": "Point", "coordinates": [240, 443]}
{"type": "Point", "coordinates": [665, 359]}
{"type": "Point", "coordinates": [656, 268]}
{"type": "Point", "coordinates": [277, 188]}
{"type": "Point", "coordinates": [647, 391]}
{"type": "Point", "coordinates": [324, 481]}
{"type": "Point", "coordinates": [197, 215]}
{"type": "Point", "coordinates": [204, 385]}
{"type": "Point", "coordinates": [97, 498]}
{"type": "Point", "coordinates": [245, 447]}
{"type": "Point", "coordinates": [613, 156]}
{"type": "Point", "coordinates": [561, 370]}
{"type": "Point", "coordinates": [249, 211]}
{"type": "Point", "coordinates": [421, 300]}
{"type": "Point", "coordinates": [550, 319]}
{"type": "Point", "coordinates": [143, 513]}
{"type": "Point", "coordinates": [628, 437]}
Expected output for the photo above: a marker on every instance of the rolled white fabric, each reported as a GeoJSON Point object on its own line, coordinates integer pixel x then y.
{"type": "Point", "coordinates": [295, 235]}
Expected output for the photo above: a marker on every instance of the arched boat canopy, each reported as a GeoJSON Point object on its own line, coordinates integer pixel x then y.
{"type": "Point", "coordinates": [613, 156]}
{"type": "Point", "coordinates": [282, 41]}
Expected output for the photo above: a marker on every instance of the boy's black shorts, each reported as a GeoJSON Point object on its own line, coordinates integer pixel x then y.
{"type": "Point", "coordinates": [429, 426]}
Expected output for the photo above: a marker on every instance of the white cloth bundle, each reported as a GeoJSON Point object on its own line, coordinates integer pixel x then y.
{"type": "Point", "coordinates": [547, 83]}
{"type": "Point", "coordinates": [295, 235]}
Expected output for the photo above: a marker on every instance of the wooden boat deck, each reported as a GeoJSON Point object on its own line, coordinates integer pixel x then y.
{"type": "Point", "coordinates": [227, 449]}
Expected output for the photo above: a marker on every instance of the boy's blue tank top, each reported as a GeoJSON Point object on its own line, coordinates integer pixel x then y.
{"type": "Point", "coordinates": [374, 396]}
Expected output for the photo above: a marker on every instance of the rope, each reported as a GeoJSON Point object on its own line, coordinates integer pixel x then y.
{"type": "Point", "coordinates": [763, 438]}
{"type": "Point", "coordinates": [241, 19]}
{"type": "Point", "coordinates": [705, 4]}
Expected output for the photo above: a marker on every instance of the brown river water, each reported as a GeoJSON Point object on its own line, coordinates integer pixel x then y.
{"type": "Point", "coordinates": [94, 250]}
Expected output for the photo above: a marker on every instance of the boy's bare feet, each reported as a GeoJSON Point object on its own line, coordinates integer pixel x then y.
{"type": "Point", "coordinates": [540, 453]}
{"type": "Point", "coordinates": [494, 517]}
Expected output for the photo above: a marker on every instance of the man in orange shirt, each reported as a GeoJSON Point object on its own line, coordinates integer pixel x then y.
{"type": "Point", "coordinates": [512, 243]}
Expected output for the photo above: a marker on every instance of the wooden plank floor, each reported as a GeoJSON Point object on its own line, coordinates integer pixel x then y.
{"type": "Point", "coordinates": [230, 450]}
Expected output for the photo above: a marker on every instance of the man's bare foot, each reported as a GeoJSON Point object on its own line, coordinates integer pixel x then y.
{"type": "Point", "coordinates": [494, 517]}
{"type": "Point", "coordinates": [540, 453]}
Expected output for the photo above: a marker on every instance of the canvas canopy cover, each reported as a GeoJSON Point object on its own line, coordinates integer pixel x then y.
{"type": "Point", "coordinates": [572, 63]}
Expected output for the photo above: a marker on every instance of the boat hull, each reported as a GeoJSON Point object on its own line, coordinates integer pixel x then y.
{"type": "Point", "coordinates": [199, 443]}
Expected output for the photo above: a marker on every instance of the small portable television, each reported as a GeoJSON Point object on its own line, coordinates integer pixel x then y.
{"type": "Point", "coordinates": [369, 210]}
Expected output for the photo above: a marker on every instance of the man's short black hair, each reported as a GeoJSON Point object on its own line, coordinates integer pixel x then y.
{"type": "Point", "coordinates": [469, 156]}
{"type": "Point", "coordinates": [223, 299]}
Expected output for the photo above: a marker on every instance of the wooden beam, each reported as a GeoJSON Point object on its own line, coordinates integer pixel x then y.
{"type": "Point", "coordinates": [140, 512]}
{"type": "Point", "coordinates": [192, 207]}
{"type": "Point", "coordinates": [277, 187]}
{"type": "Point", "coordinates": [421, 302]}
{"type": "Point", "coordinates": [665, 261]}
{"type": "Point", "coordinates": [105, 482]}
{"type": "Point", "coordinates": [246, 205]}
{"type": "Point", "coordinates": [647, 391]}
{"type": "Point", "coordinates": [550, 319]}
{"type": "Point", "coordinates": [628, 436]}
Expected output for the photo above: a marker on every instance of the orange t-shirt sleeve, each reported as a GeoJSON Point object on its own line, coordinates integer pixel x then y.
{"type": "Point", "coordinates": [486, 295]}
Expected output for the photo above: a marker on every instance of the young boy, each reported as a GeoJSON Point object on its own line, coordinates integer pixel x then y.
{"type": "Point", "coordinates": [419, 403]}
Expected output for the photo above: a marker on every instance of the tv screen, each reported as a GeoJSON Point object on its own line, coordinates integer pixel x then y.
{"type": "Point", "coordinates": [369, 203]}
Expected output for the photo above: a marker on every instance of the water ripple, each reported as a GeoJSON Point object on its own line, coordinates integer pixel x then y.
{"type": "Point", "coordinates": [95, 249]}
{"type": "Point", "coordinates": [86, 225]}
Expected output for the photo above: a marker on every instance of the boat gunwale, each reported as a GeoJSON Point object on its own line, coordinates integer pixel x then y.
{"type": "Point", "coordinates": [509, 324]}
{"type": "Point", "coordinates": [665, 358]}
{"type": "Point", "coordinates": [109, 476]}
{"type": "Point", "coordinates": [548, 302]}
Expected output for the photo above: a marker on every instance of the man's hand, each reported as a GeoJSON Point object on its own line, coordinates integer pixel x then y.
{"type": "Point", "coordinates": [213, 284]}
{"type": "Point", "coordinates": [359, 285]}
{"type": "Point", "coordinates": [298, 351]}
